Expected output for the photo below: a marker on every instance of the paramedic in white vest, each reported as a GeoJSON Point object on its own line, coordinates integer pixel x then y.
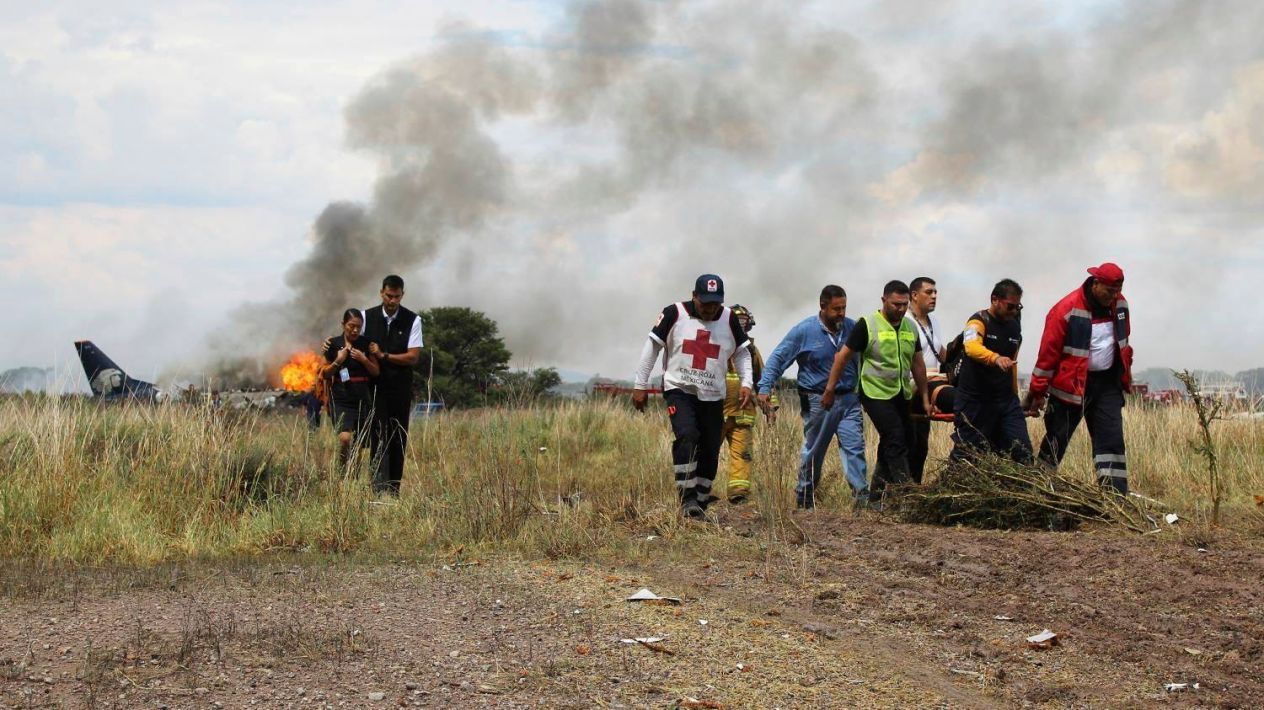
{"type": "Point", "coordinates": [696, 337]}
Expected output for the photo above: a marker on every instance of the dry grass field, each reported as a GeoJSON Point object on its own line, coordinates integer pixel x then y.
{"type": "Point", "coordinates": [138, 485]}
{"type": "Point", "coordinates": [185, 556]}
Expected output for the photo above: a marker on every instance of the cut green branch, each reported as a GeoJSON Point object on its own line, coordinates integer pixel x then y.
{"type": "Point", "coordinates": [1208, 410]}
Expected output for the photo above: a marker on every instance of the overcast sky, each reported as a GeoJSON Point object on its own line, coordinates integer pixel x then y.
{"type": "Point", "coordinates": [569, 168]}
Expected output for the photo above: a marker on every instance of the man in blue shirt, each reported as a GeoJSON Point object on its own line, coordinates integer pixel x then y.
{"type": "Point", "coordinates": [812, 344]}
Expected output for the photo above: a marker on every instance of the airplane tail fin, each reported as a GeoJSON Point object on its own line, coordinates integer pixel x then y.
{"type": "Point", "coordinates": [108, 379]}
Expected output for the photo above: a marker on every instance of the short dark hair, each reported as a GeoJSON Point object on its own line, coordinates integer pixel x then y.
{"type": "Point", "coordinates": [351, 313]}
{"type": "Point", "coordinates": [917, 283]}
{"type": "Point", "coordinates": [895, 287]}
{"type": "Point", "coordinates": [393, 281]}
{"type": "Point", "coordinates": [1006, 288]}
{"type": "Point", "coordinates": [831, 292]}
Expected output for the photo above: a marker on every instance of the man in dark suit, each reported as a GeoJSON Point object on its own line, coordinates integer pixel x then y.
{"type": "Point", "coordinates": [395, 333]}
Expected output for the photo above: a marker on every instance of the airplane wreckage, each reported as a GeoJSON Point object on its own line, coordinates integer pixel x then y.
{"type": "Point", "coordinates": [110, 383]}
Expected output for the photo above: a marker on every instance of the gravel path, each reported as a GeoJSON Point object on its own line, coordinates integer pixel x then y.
{"type": "Point", "coordinates": [865, 613]}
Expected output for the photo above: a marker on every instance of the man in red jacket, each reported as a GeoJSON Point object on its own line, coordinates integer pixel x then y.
{"type": "Point", "coordinates": [1084, 368]}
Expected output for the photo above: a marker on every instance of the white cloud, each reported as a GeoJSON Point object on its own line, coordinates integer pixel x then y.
{"type": "Point", "coordinates": [167, 101]}
{"type": "Point", "coordinates": [95, 272]}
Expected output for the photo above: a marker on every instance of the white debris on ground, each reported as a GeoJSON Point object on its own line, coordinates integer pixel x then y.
{"type": "Point", "coordinates": [1044, 639]}
{"type": "Point", "coordinates": [645, 595]}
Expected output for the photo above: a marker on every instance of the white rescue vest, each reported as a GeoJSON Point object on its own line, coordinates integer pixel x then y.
{"type": "Point", "coordinates": [696, 356]}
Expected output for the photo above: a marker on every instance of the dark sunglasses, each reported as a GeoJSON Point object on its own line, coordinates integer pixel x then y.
{"type": "Point", "coordinates": [1013, 306]}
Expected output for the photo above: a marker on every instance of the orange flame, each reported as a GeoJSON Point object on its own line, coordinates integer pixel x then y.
{"type": "Point", "coordinates": [301, 372]}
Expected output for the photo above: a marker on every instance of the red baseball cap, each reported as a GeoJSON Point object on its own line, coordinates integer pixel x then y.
{"type": "Point", "coordinates": [1109, 273]}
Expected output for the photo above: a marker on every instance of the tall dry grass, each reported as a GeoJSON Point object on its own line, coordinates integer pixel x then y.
{"type": "Point", "coordinates": [92, 484]}
{"type": "Point", "coordinates": [1162, 461]}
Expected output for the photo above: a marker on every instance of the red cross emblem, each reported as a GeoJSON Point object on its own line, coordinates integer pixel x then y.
{"type": "Point", "coordinates": [701, 348]}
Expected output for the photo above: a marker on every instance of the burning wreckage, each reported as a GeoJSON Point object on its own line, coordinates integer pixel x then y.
{"type": "Point", "coordinates": [299, 381]}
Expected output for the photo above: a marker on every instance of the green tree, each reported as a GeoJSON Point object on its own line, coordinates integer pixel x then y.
{"type": "Point", "coordinates": [467, 355]}
{"type": "Point", "coordinates": [526, 386]}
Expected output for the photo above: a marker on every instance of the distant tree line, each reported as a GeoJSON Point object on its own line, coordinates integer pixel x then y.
{"type": "Point", "coordinates": [27, 379]}
{"type": "Point", "coordinates": [1162, 378]}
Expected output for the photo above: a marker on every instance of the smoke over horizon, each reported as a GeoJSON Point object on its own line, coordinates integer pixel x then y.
{"type": "Point", "coordinates": [573, 183]}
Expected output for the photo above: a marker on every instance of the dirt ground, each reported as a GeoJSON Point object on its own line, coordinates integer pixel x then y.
{"type": "Point", "coordinates": [864, 613]}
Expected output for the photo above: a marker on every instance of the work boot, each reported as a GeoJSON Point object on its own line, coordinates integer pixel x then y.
{"type": "Point", "coordinates": [737, 498]}
{"type": "Point", "coordinates": [805, 500]}
{"type": "Point", "coordinates": [1119, 484]}
{"type": "Point", "coordinates": [693, 511]}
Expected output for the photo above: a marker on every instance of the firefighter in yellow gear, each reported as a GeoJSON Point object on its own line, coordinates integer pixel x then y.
{"type": "Point", "coordinates": [739, 422]}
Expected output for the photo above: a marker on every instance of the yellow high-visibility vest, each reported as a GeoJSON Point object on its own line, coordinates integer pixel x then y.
{"type": "Point", "coordinates": [885, 366]}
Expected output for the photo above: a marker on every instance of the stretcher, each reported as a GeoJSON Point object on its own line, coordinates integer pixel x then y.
{"type": "Point", "coordinates": [942, 395]}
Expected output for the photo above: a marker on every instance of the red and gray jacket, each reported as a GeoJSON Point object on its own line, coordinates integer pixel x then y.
{"type": "Point", "coordinates": [1062, 364]}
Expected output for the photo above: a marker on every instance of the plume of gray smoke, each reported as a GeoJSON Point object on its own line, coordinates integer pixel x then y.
{"type": "Point", "coordinates": [571, 186]}
{"type": "Point", "coordinates": [1026, 111]}
{"type": "Point", "coordinates": [655, 102]}
{"type": "Point", "coordinates": [442, 175]}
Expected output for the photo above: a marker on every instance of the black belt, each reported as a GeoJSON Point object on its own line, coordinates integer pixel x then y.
{"type": "Point", "coordinates": [836, 391]}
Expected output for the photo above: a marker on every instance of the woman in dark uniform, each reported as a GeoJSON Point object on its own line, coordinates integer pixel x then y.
{"type": "Point", "coordinates": [349, 372]}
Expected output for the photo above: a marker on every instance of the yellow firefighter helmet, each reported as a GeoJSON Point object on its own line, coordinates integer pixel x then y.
{"type": "Point", "coordinates": [744, 316]}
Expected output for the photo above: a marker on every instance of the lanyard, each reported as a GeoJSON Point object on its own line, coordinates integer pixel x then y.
{"type": "Point", "coordinates": [930, 337]}
{"type": "Point", "coordinates": [836, 339]}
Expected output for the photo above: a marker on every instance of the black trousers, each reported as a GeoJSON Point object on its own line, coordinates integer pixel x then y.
{"type": "Point", "coordinates": [1103, 412]}
{"type": "Point", "coordinates": [919, 449]}
{"type": "Point", "coordinates": [994, 423]}
{"type": "Point", "coordinates": [890, 418]}
{"type": "Point", "coordinates": [698, 427]}
{"type": "Point", "coordinates": [389, 439]}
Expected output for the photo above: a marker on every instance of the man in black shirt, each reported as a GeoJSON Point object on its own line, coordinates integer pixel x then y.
{"type": "Point", "coordinates": [395, 333]}
{"type": "Point", "coordinates": [892, 372]}
{"type": "Point", "coordinates": [987, 414]}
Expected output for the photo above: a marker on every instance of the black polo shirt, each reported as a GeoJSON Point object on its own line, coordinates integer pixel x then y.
{"type": "Point", "coordinates": [354, 384]}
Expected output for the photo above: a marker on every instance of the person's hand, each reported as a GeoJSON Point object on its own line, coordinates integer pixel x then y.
{"type": "Point", "coordinates": [639, 398]}
{"type": "Point", "coordinates": [1032, 404]}
{"type": "Point", "coordinates": [928, 406]}
{"type": "Point", "coordinates": [376, 351]}
{"type": "Point", "coordinates": [357, 355]}
{"type": "Point", "coordinates": [765, 405]}
{"type": "Point", "coordinates": [827, 399]}
{"type": "Point", "coordinates": [744, 398]}
{"type": "Point", "coordinates": [1004, 363]}
{"type": "Point", "coordinates": [324, 345]}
